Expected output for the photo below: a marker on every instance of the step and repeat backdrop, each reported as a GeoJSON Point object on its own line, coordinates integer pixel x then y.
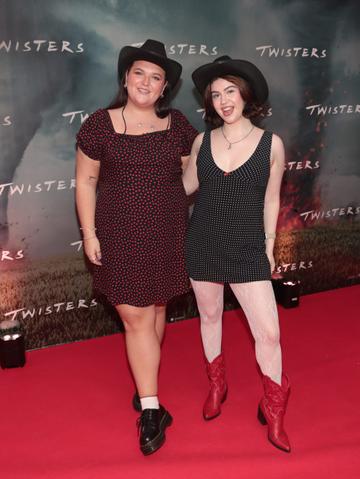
{"type": "Point", "coordinates": [58, 64]}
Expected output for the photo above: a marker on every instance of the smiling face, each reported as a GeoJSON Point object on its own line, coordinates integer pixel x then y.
{"type": "Point", "coordinates": [145, 83]}
{"type": "Point", "coordinates": [227, 100]}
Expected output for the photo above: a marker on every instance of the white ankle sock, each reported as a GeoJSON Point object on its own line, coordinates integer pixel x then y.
{"type": "Point", "coordinates": [149, 402]}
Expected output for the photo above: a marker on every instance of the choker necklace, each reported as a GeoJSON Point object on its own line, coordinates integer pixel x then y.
{"type": "Point", "coordinates": [237, 141]}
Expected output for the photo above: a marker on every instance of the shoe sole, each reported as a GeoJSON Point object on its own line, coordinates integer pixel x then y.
{"type": "Point", "coordinates": [159, 440]}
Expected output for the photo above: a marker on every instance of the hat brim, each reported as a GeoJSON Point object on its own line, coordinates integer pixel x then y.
{"type": "Point", "coordinates": [205, 74]}
{"type": "Point", "coordinates": [130, 54]}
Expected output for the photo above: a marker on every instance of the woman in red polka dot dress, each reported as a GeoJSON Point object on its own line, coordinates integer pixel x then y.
{"type": "Point", "coordinates": [132, 210]}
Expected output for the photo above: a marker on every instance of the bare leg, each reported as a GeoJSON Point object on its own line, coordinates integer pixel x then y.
{"type": "Point", "coordinates": [210, 302]}
{"type": "Point", "coordinates": [258, 303]}
{"type": "Point", "coordinates": [160, 321]}
{"type": "Point", "coordinates": [142, 346]}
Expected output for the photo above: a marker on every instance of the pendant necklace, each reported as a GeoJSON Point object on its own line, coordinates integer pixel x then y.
{"type": "Point", "coordinates": [142, 125]}
{"type": "Point", "coordinates": [237, 141]}
{"type": "Point", "coordinates": [139, 125]}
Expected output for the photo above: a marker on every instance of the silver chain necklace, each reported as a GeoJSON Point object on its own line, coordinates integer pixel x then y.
{"type": "Point", "coordinates": [237, 141]}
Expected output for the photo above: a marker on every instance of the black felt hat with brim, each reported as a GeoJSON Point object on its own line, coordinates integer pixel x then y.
{"type": "Point", "coordinates": [225, 65]}
{"type": "Point", "coordinates": [151, 51]}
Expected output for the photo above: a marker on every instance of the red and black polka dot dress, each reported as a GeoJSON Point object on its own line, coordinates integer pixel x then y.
{"type": "Point", "coordinates": [141, 211]}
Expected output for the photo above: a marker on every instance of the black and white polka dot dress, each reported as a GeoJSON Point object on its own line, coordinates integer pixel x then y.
{"type": "Point", "coordinates": [225, 240]}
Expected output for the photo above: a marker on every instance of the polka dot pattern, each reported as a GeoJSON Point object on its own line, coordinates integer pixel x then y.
{"type": "Point", "coordinates": [225, 241]}
{"type": "Point", "coordinates": [141, 211]}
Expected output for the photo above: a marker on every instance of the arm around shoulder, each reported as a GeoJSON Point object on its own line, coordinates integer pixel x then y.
{"type": "Point", "coordinates": [190, 178]}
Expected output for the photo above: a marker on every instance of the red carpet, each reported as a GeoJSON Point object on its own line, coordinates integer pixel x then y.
{"type": "Point", "coordinates": [67, 414]}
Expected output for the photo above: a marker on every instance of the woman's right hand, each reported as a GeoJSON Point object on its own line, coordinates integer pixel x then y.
{"type": "Point", "coordinates": [92, 250]}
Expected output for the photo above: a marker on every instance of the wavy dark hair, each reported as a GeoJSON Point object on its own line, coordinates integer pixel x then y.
{"type": "Point", "coordinates": [162, 105]}
{"type": "Point", "coordinates": [252, 109]}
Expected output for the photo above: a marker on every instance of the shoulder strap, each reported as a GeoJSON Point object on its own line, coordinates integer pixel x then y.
{"type": "Point", "coordinates": [205, 144]}
{"type": "Point", "coordinates": [204, 149]}
{"type": "Point", "coordinates": [267, 139]}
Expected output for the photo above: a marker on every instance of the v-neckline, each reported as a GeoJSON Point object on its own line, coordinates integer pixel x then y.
{"type": "Point", "coordinates": [242, 164]}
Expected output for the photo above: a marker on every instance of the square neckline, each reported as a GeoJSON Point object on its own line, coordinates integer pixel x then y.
{"type": "Point", "coordinates": [242, 164]}
{"type": "Point", "coordinates": [111, 124]}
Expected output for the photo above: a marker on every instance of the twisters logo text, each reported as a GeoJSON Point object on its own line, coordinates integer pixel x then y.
{"type": "Point", "coordinates": [60, 307]}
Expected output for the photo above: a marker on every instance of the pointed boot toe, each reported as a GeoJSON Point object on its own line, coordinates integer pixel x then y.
{"type": "Point", "coordinates": [218, 388]}
{"type": "Point", "coordinates": [272, 409]}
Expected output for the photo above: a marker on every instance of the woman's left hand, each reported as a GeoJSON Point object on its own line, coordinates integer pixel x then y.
{"type": "Point", "coordinates": [271, 261]}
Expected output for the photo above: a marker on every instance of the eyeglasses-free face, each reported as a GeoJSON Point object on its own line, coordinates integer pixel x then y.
{"type": "Point", "coordinates": [145, 83]}
{"type": "Point", "coordinates": [227, 100]}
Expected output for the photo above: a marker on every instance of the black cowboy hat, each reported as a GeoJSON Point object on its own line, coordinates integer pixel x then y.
{"type": "Point", "coordinates": [225, 65]}
{"type": "Point", "coordinates": [151, 51]}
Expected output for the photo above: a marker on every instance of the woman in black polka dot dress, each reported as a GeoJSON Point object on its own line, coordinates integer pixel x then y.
{"type": "Point", "coordinates": [238, 169]}
{"type": "Point", "coordinates": [132, 209]}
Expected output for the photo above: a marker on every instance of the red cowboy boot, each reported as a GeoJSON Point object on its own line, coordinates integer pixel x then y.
{"type": "Point", "coordinates": [272, 410]}
{"type": "Point", "coordinates": [218, 387]}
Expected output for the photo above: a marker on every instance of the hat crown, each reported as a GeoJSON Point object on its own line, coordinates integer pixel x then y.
{"type": "Point", "coordinates": [223, 59]}
{"type": "Point", "coordinates": [153, 46]}
{"type": "Point", "coordinates": [226, 65]}
{"type": "Point", "coordinates": [151, 51]}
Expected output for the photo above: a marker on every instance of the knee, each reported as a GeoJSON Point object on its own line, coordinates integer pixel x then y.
{"type": "Point", "coordinates": [269, 338]}
{"type": "Point", "coordinates": [136, 324]}
{"type": "Point", "coordinates": [211, 314]}
{"type": "Point", "coordinates": [135, 321]}
{"type": "Point", "coordinates": [131, 324]}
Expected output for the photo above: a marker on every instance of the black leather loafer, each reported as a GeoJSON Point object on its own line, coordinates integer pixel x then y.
{"type": "Point", "coordinates": [152, 424]}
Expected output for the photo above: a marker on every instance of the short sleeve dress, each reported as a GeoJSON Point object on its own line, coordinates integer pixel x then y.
{"type": "Point", "coordinates": [141, 210]}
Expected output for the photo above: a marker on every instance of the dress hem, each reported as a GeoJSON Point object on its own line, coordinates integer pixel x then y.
{"type": "Point", "coordinates": [143, 304]}
{"type": "Point", "coordinates": [220, 279]}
